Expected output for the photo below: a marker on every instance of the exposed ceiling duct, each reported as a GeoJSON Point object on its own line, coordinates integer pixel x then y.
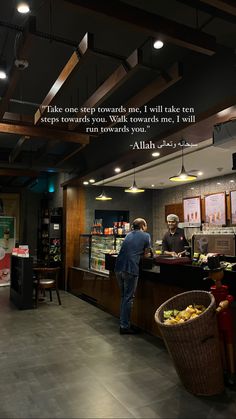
{"type": "Point", "coordinates": [224, 134]}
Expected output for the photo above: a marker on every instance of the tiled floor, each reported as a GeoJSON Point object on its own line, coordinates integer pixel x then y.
{"type": "Point", "coordinates": [69, 361]}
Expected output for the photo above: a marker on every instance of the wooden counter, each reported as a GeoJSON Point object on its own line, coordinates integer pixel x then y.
{"type": "Point", "coordinates": [155, 286]}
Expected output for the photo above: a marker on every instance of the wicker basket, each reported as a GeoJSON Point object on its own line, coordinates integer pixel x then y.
{"type": "Point", "coordinates": [194, 345]}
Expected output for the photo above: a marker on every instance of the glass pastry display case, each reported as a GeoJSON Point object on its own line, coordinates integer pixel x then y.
{"type": "Point", "coordinates": [93, 250]}
{"type": "Point", "coordinates": [100, 245]}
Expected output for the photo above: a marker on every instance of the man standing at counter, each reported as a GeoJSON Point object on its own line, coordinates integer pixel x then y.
{"type": "Point", "coordinates": [127, 269]}
{"type": "Point", "coordinates": [174, 239]}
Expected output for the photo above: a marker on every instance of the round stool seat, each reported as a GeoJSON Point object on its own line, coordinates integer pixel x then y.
{"type": "Point", "coordinates": [46, 281]}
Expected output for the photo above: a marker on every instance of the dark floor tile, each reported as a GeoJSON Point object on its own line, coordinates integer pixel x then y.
{"type": "Point", "coordinates": [70, 361]}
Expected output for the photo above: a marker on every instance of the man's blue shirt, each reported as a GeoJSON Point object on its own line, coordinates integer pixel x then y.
{"type": "Point", "coordinates": [131, 250]}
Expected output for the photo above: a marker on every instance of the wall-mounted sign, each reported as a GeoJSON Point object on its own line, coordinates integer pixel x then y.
{"type": "Point", "coordinates": [192, 210]}
{"type": "Point", "coordinates": [7, 242]}
{"type": "Point", "coordinates": [215, 209]}
{"type": "Point", "coordinates": [233, 206]}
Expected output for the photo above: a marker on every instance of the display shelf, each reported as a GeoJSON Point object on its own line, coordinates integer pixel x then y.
{"type": "Point", "coordinates": [50, 235]}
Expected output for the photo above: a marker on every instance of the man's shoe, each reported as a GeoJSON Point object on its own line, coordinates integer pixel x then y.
{"type": "Point", "coordinates": [127, 331]}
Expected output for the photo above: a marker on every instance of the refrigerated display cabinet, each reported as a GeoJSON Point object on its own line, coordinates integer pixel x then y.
{"type": "Point", "coordinates": [93, 249]}
{"type": "Point", "coordinates": [100, 245]}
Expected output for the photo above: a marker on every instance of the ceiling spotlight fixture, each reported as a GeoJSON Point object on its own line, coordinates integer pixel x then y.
{"type": "Point", "coordinates": [23, 7]}
{"type": "Point", "coordinates": [200, 173]}
{"type": "Point", "coordinates": [158, 44]}
{"type": "Point", "coordinates": [21, 64]}
{"type": "Point", "coordinates": [182, 176]}
{"type": "Point", "coordinates": [134, 188]}
{"type": "Point", "coordinates": [231, 181]}
{"type": "Point", "coordinates": [103, 196]}
{"type": "Point", "coordinates": [155, 154]}
{"type": "Point", "coordinates": [117, 169]}
{"type": "Point", "coordinates": [85, 182]}
{"type": "Point", "coordinates": [91, 180]}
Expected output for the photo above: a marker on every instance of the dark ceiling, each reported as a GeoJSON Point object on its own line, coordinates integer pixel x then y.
{"type": "Point", "coordinates": [100, 54]}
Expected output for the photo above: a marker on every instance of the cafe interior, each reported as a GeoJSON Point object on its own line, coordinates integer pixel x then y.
{"type": "Point", "coordinates": [110, 111]}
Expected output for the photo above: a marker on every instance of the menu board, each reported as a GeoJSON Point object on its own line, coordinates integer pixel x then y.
{"type": "Point", "coordinates": [233, 206]}
{"type": "Point", "coordinates": [223, 244]}
{"type": "Point", "coordinates": [192, 210]}
{"type": "Point", "coordinates": [215, 209]}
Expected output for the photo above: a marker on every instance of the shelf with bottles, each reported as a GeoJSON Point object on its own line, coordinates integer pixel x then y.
{"type": "Point", "coordinates": [50, 233]}
{"type": "Point", "coordinates": [97, 228]}
{"type": "Point", "coordinates": [55, 251]}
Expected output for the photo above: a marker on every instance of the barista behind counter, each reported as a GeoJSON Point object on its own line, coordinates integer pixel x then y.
{"type": "Point", "coordinates": [174, 240]}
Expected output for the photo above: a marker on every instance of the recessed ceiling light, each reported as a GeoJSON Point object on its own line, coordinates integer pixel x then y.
{"type": "Point", "coordinates": [117, 169]}
{"type": "Point", "coordinates": [192, 189]}
{"type": "Point", "coordinates": [155, 154]}
{"type": "Point", "coordinates": [3, 74]}
{"type": "Point", "coordinates": [218, 183]}
{"type": "Point", "coordinates": [152, 186]}
{"type": "Point", "coordinates": [200, 173]}
{"type": "Point", "coordinates": [158, 44]}
{"type": "Point", "coordinates": [232, 181]}
{"type": "Point", "coordinates": [23, 7]}
{"type": "Point", "coordinates": [85, 182]}
{"type": "Point", "coordinates": [91, 180]}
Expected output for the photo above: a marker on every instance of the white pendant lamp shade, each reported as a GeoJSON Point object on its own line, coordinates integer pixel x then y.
{"type": "Point", "coordinates": [134, 188]}
{"type": "Point", "coordinates": [183, 175]}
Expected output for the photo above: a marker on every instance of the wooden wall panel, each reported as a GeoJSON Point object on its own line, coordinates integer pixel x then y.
{"type": "Point", "coordinates": [175, 209]}
{"type": "Point", "coordinates": [74, 222]}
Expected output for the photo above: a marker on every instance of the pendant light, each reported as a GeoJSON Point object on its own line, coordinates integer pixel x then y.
{"type": "Point", "coordinates": [103, 196]}
{"type": "Point", "coordinates": [134, 188]}
{"type": "Point", "coordinates": [23, 7]}
{"type": "Point", "coordinates": [183, 175]}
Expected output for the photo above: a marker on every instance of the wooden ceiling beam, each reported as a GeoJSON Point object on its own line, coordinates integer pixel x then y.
{"type": "Point", "coordinates": [17, 117]}
{"type": "Point", "coordinates": [70, 155]}
{"type": "Point", "coordinates": [84, 46]}
{"type": "Point", "coordinates": [153, 89]}
{"type": "Point", "coordinates": [111, 84]}
{"type": "Point", "coordinates": [45, 149]}
{"type": "Point", "coordinates": [15, 73]}
{"type": "Point", "coordinates": [30, 181]}
{"type": "Point", "coordinates": [227, 6]}
{"type": "Point", "coordinates": [18, 172]}
{"type": "Point", "coordinates": [49, 133]}
{"type": "Point", "coordinates": [17, 149]}
{"type": "Point", "coordinates": [152, 24]}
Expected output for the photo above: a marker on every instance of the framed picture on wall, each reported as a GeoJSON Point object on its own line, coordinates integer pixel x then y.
{"type": "Point", "coordinates": [215, 208]}
{"type": "Point", "coordinates": [192, 210]}
{"type": "Point", "coordinates": [233, 207]}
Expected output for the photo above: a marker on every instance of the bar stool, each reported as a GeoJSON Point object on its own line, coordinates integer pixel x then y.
{"type": "Point", "coordinates": [46, 279]}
